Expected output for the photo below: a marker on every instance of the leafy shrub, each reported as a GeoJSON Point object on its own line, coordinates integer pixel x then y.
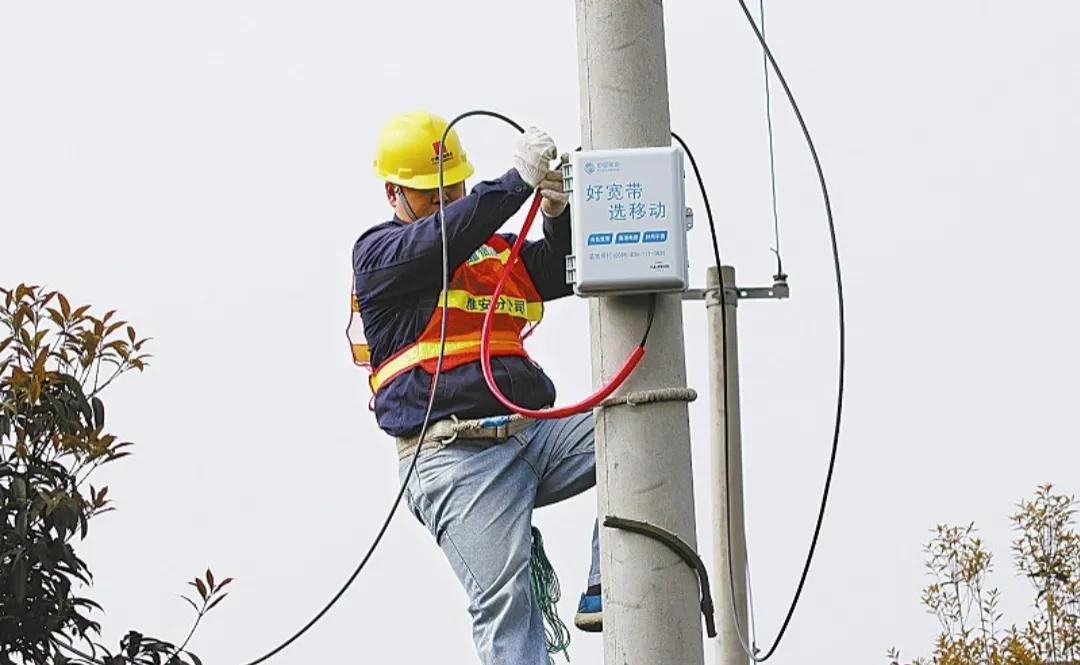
{"type": "Point", "coordinates": [55, 362]}
{"type": "Point", "coordinates": [1046, 550]}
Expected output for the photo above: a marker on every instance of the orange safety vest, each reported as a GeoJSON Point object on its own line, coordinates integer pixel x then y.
{"type": "Point", "coordinates": [471, 286]}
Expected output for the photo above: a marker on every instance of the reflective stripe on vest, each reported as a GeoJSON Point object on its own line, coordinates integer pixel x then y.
{"type": "Point", "coordinates": [422, 353]}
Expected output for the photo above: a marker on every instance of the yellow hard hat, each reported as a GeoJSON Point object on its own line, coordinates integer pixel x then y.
{"type": "Point", "coordinates": [408, 152]}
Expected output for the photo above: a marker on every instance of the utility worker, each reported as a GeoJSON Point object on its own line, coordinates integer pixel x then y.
{"type": "Point", "coordinates": [480, 473]}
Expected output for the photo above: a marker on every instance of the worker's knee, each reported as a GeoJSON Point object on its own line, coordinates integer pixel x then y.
{"type": "Point", "coordinates": [506, 620]}
{"type": "Point", "coordinates": [491, 565]}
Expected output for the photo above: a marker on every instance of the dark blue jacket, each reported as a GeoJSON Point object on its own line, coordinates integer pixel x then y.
{"type": "Point", "coordinates": [397, 268]}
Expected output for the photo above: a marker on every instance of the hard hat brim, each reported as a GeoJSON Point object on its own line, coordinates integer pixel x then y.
{"type": "Point", "coordinates": [451, 176]}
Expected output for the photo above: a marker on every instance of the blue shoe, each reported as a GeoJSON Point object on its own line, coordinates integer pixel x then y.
{"type": "Point", "coordinates": [590, 612]}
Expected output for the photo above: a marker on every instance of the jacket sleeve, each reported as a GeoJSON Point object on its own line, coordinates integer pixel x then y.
{"type": "Point", "coordinates": [546, 259]}
{"type": "Point", "coordinates": [401, 260]}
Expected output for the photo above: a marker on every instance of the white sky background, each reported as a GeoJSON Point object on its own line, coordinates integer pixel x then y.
{"type": "Point", "coordinates": [205, 168]}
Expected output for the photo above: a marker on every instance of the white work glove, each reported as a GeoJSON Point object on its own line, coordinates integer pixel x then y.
{"type": "Point", "coordinates": [551, 190]}
{"type": "Point", "coordinates": [535, 150]}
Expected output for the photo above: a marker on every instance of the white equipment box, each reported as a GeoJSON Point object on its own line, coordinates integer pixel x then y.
{"type": "Point", "coordinates": [629, 221]}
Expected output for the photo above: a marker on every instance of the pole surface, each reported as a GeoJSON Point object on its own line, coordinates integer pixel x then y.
{"type": "Point", "coordinates": [651, 598]}
{"type": "Point", "coordinates": [724, 370]}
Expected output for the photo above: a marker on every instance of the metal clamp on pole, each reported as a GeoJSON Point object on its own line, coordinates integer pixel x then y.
{"type": "Point", "coordinates": [732, 295]}
{"type": "Point", "coordinates": [685, 552]}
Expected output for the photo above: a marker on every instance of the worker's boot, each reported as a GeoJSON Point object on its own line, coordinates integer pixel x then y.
{"type": "Point", "coordinates": [590, 611]}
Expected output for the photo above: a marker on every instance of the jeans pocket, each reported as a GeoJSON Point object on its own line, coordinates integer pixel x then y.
{"type": "Point", "coordinates": [433, 464]}
{"type": "Point", "coordinates": [525, 451]}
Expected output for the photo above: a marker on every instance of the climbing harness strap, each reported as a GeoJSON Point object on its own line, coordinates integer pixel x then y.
{"type": "Point", "coordinates": [444, 432]}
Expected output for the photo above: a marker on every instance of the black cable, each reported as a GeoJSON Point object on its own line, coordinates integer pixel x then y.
{"type": "Point", "coordinates": [842, 347]}
{"type": "Point", "coordinates": [704, 195]}
{"type": "Point", "coordinates": [378, 536]}
{"type": "Point", "coordinates": [723, 352]}
{"type": "Point", "coordinates": [648, 324]}
{"type": "Point", "coordinates": [842, 336]}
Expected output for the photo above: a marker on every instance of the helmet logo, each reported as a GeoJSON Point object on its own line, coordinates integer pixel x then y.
{"type": "Point", "coordinates": [438, 147]}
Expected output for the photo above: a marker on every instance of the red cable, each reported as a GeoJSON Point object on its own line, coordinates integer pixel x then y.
{"type": "Point", "coordinates": [485, 344]}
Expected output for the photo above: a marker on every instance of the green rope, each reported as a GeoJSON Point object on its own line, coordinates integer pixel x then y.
{"type": "Point", "coordinates": [546, 592]}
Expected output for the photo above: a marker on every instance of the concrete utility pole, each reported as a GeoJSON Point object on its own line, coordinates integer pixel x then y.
{"type": "Point", "coordinates": [724, 371]}
{"type": "Point", "coordinates": [651, 598]}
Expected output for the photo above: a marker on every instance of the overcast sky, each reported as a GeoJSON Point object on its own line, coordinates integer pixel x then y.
{"type": "Point", "coordinates": [204, 167]}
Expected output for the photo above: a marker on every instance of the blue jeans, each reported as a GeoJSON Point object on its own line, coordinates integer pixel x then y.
{"type": "Point", "coordinates": [476, 497]}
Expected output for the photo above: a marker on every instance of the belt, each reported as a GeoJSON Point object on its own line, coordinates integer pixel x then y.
{"type": "Point", "coordinates": [444, 432]}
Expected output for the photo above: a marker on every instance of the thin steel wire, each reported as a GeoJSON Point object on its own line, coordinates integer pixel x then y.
{"type": "Point", "coordinates": [772, 149]}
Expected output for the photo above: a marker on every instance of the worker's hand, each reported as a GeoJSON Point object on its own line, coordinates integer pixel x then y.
{"type": "Point", "coordinates": [551, 189]}
{"type": "Point", "coordinates": [535, 150]}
